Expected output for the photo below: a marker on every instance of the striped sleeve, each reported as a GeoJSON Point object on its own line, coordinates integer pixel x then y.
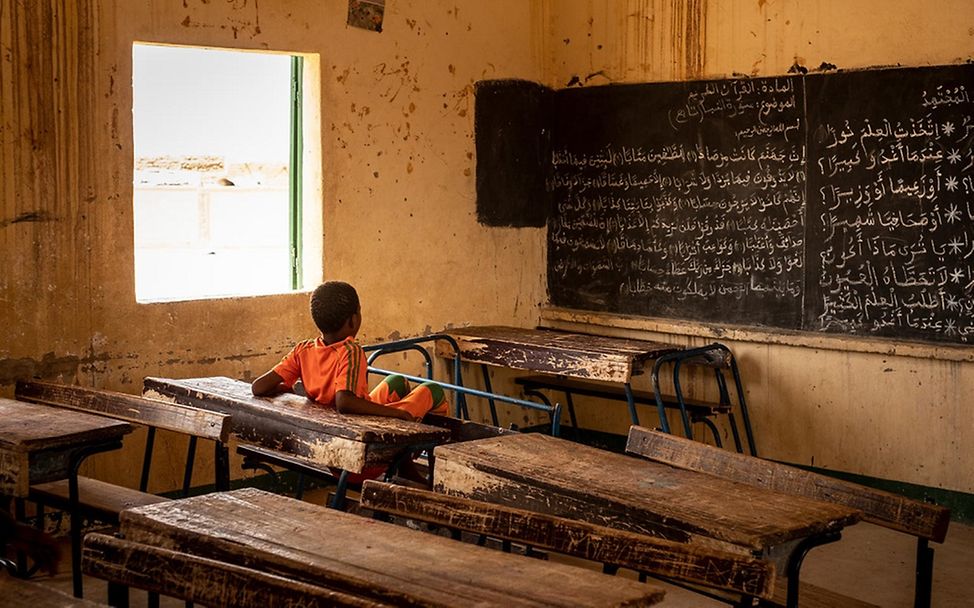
{"type": "Point", "coordinates": [352, 369]}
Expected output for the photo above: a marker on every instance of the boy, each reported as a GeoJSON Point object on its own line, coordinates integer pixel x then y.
{"type": "Point", "coordinates": [333, 367]}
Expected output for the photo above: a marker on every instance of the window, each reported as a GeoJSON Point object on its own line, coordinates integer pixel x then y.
{"type": "Point", "coordinates": [226, 196]}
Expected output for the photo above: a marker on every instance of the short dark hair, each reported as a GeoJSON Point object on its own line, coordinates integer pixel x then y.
{"type": "Point", "coordinates": [332, 304]}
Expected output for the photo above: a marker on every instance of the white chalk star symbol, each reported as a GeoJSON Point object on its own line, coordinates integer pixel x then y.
{"type": "Point", "coordinates": [949, 326]}
{"type": "Point", "coordinates": [948, 128]}
{"type": "Point", "coordinates": [956, 245]}
{"type": "Point", "coordinates": [954, 156]}
{"type": "Point", "coordinates": [953, 214]}
{"type": "Point", "coordinates": [951, 183]}
{"type": "Point", "coordinates": [956, 275]}
{"type": "Point", "coordinates": [952, 303]}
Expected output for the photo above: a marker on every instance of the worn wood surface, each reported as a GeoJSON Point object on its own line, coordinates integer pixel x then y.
{"type": "Point", "coordinates": [465, 430]}
{"type": "Point", "coordinates": [203, 581]}
{"type": "Point", "coordinates": [550, 475]}
{"type": "Point", "coordinates": [36, 442]}
{"type": "Point", "coordinates": [95, 496]}
{"type": "Point", "coordinates": [18, 593]}
{"type": "Point", "coordinates": [680, 561]}
{"type": "Point", "coordinates": [292, 424]}
{"type": "Point", "coordinates": [160, 414]}
{"type": "Point", "coordinates": [367, 558]}
{"type": "Point", "coordinates": [554, 352]}
{"type": "Point", "coordinates": [883, 508]}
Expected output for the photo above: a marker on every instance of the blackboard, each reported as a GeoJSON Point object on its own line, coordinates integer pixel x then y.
{"type": "Point", "coordinates": [510, 119]}
{"type": "Point", "coordinates": [835, 202]}
{"type": "Point", "coordinates": [890, 219]}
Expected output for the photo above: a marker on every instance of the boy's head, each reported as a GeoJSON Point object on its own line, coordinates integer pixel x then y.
{"type": "Point", "coordinates": [333, 304]}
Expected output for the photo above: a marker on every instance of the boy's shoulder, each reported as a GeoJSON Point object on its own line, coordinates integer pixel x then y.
{"type": "Point", "coordinates": [348, 344]}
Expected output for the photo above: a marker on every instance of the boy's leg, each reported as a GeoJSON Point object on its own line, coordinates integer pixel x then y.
{"type": "Point", "coordinates": [426, 398]}
{"type": "Point", "coordinates": [391, 389]}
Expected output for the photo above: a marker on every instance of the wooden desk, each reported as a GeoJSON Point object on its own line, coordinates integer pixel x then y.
{"type": "Point", "coordinates": [309, 435]}
{"type": "Point", "coordinates": [548, 351]}
{"type": "Point", "coordinates": [381, 562]}
{"type": "Point", "coordinates": [553, 476]}
{"type": "Point", "coordinates": [39, 443]}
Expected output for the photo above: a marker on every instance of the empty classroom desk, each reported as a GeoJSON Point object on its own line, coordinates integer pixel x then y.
{"type": "Point", "coordinates": [335, 552]}
{"type": "Point", "coordinates": [290, 431]}
{"type": "Point", "coordinates": [39, 443]}
{"type": "Point", "coordinates": [562, 353]}
{"type": "Point", "coordinates": [550, 475]}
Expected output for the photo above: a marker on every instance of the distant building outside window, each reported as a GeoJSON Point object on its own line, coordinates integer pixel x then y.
{"type": "Point", "coordinates": [221, 173]}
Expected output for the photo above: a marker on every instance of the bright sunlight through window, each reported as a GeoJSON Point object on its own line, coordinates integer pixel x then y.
{"type": "Point", "coordinates": [219, 178]}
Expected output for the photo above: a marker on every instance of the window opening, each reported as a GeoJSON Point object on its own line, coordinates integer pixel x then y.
{"type": "Point", "coordinates": [219, 185]}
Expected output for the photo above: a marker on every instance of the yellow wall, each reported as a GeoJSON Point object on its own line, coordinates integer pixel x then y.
{"type": "Point", "coordinates": [399, 104]}
{"type": "Point", "coordinates": [892, 411]}
{"type": "Point", "coordinates": [399, 203]}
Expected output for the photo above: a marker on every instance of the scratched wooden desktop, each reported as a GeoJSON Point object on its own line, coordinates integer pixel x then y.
{"type": "Point", "coordinates": [560, 353]}
{"type": "Point", "coordinates": [376, 563]}
{"type": "Point", "coordinates": [550, 475]}
{"type": "Point", "coordinates": [294, 425]}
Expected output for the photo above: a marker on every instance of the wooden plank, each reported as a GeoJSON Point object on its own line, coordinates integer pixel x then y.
{"type": "Point", "coordinates": [554, 352]}
{"type": "Point", "coordinates": [93, 495]}
{"type": "Point", "coordinates": [883, 508]}
{"type": "Point", "coordinates": [18, 593]}
{"type": "Point", "coordinates": [683, 562]}
{"type": "Point", "coordinates": [367, 558]}
{"type": "Point", "coordinates": [290, 423]}
{"type": "Point", "coordinates": [204, 581]}
{"type": "Point", "coordinates": [550, 475]}
{"type": "Point", "coordinates": [36, 442]}
{"type": "Point", "coordinates": [29, 427]}
{"type": "Point", "coordinates": [465, 430]}
{"type": "Point", "coordinates": [159, 414]}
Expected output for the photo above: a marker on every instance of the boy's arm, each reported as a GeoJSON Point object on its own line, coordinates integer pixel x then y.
{"type": "Point", "coordinates": [269, 384]}
{"type": "Point", "coordinates": [346, 402]}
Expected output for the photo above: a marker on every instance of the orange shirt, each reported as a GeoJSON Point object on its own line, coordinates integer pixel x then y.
{"type": "Point", "coordinates": [325, 369]}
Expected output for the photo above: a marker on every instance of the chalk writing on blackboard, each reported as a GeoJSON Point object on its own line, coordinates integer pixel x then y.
{"type": "Point", "coordinates": [699, 215]}
{"type": "Point", "coordinates": [891, 205]}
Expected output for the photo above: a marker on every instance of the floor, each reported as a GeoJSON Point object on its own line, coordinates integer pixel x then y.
{"type": "Point", "coordinates": [870, 563]}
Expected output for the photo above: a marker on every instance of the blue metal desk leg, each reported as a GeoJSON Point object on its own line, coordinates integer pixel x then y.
{"type": "Point", "coordinates": [488, 389]}
{"type": "Point", "coordinates": [338, 500]}
{"type": "Point", "coordinates": [631, 402]}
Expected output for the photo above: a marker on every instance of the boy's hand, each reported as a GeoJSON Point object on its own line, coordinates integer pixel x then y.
{"type": "Point", "coordinates": [403, 415]}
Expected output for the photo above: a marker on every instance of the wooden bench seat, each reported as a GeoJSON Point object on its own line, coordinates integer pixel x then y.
{"type": "Point", "coordinates": [97, 498]}
{"type": "Point", "coordinates": [696, 408]}
{"type": "Point", "coordinates": [925, 521]}
{"type": "Point", "coordinates": [685, 562]}
{"type": "Point", "coordinates": [105, 501]}
{"type": "Point", "coordinates": [200, 580]}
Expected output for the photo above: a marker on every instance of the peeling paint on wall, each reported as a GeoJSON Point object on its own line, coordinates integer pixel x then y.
{"type": "Point", "coordinates": [49, 367]}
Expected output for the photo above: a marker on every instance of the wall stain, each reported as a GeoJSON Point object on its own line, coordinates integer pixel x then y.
{"type": "Point", "coordinates": [49, 367]}
{"type": "Point", "coordinates": [29, 216]}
